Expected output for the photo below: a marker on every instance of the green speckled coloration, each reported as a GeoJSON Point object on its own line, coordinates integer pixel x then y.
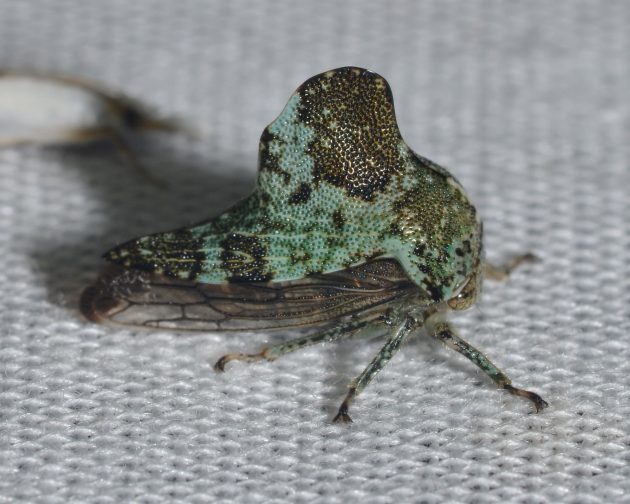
{"type": "Point", "coordinates": [337, 187]}
{"type": "Point", "coordinates": [347, 228]}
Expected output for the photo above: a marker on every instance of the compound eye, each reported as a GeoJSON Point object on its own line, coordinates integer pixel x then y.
{"type": "Point", "coordinates": [466, 297]}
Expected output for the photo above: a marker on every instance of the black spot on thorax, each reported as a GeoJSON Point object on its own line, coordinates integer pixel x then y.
{"type": "Point", "coordinates": [338, 219]}
{"type": "Point", "coordinates": [301, 194]}
{"type": "Point", "coordinates": [269, 161]}
{"type": "Point", "coordinates": [244, 258]}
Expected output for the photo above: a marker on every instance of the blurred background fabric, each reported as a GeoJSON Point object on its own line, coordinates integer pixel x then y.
{"type": "Point", "coordinates": [527, 103]}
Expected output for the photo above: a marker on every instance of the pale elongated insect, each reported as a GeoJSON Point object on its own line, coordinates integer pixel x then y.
{"type": "Point", "coordinates": [43, 109]}
{"type": "Point", "coordinates": [348, 230]}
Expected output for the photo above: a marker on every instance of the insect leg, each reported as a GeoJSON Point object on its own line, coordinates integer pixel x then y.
{"type": "Point", "coordinates": [391, 346]}
{"type": "Point", "coordinates": [501, 273]}
{"type": "Point", "coordinates": [441, 329]}
{"type": "Point", "coordinates": [125, 152]}
{"type": "Point", "coordinates": [342, 331]}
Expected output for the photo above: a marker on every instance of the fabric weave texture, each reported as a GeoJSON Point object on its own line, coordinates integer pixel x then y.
{"type": "Point", "coordinates": [528, 105]}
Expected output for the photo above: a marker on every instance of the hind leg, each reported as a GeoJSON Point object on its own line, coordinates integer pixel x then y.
{"type": "Point", "coordinates": [337, 333]}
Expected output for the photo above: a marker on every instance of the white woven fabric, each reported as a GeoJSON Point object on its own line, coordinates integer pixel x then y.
{"type": "Point", "coordinates": [526, 102]}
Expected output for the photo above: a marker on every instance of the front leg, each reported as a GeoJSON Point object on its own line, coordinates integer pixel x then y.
{"type": "Point", "coordinates": [501, 273]}
{"type": "Point", "coordinates": [438, 327]}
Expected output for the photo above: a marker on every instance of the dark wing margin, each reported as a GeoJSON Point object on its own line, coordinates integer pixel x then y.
{"type": "Point", "coordinates": [131, 297]}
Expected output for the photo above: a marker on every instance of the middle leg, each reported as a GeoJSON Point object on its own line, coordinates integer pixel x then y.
{"type": "Point", "coordinates": [392, 345]}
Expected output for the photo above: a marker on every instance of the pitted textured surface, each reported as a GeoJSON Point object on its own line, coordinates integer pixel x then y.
{"type": "Point", "coordinates": [333, 154]}
{"type": "Point", "coordinates": [527, 106]}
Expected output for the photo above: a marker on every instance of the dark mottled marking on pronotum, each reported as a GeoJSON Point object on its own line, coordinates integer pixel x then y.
{"type": "Point", "coordinates": [338, 219]}
{"type": "Point", "coordinates": [177, 254]}
{"type": "Point", "coordinates": [244, 258]}
{"type": "Point", "coordinates": [420, 249]}
{"type": "Point", "coordinates": [394, 229]}
{"type": "Point", "coordinates": [299, 257]}
{"type": "Point", "coordinates": [265, 197]}
{"type": "Point", "coordinates": [356, 138]}
{"type": "Point", "coordinates": [269, 161]}
{"type": "Point", "coordinates": [301, 194]}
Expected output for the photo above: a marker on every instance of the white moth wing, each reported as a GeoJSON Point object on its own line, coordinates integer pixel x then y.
{"type": "Point", "coordinates": [48, 110]}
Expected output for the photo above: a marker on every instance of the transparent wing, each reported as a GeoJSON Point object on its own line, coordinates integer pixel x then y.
{"type": "Point", "coordinates": [146, 299]}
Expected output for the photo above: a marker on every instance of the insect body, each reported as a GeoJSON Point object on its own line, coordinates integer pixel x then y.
{"type": "Point", "coordinates": [55, 110]}
{"type": "Point", "coordinates": [347, 229]}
